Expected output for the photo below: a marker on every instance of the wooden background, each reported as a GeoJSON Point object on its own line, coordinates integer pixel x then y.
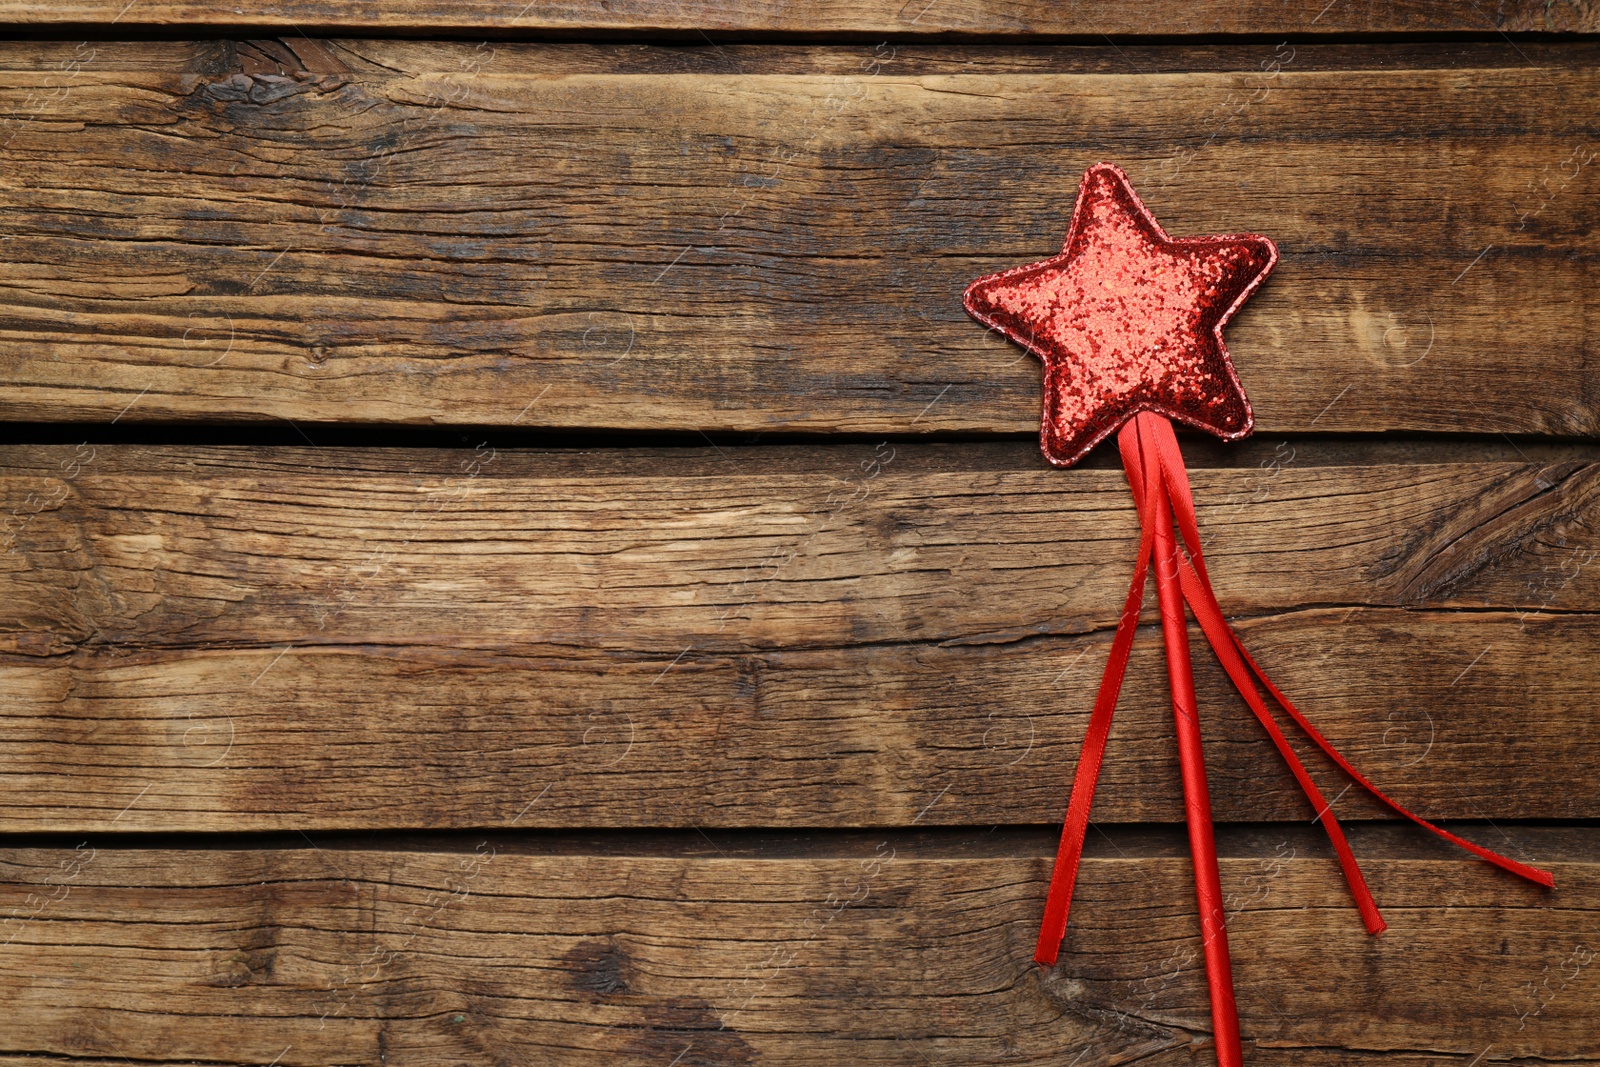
{"type": "Point", "coordinates": [514, 554]}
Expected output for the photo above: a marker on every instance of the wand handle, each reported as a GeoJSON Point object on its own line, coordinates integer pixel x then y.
{"type": "Point", "coordinates": [1196, 794]}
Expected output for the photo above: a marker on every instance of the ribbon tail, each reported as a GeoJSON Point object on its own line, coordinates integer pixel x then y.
{"type": "Point", "coordinates": [1225, 642]}
{"type": "Point", "coordinates": [1191, 761]}
{"type": "Point", "coordinates": [1074, 829]}
{"type": "Point", "coordinates": [1176, 476]}
{"type": "Point", "coordinates": [1202, 600]}
{"type": "Point", "coordinates": [1532, 874]}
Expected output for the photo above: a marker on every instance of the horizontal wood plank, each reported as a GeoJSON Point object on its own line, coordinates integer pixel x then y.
{"type": "Point", "coordinates": [887, 951]}
{"type": "Point", "coordinates": [989, 18]}
{"type": "Point", "coordinates": [210, 639]}
{"type": "Point", "coordinates": [472, 245]}
{"type": "Point", "coordinates": [1457, 715]}
{"type": "Point", "coordinates": [478, 550]}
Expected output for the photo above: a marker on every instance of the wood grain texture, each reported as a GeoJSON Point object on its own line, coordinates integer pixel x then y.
{"type": "Point", "coordinates": [989, 18]}
{"type": "Point", "coordinates": [208, 639]}
{"type": "Point", "coordinates": [1457, 715]}
{"type": "Point", "coordinates": [765, 251]}
{"type": "Point", "coordinates": [885, 951]}
{"type": "Point", "coordinates": [475, 551]}
{"type": "Point", "coordinates": [683, 756]}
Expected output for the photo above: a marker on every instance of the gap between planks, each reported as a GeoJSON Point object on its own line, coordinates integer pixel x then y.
{"type": "Point", "coordinates": [685, 19]}
{"type": "Point", "coordinates": [1561, 841]}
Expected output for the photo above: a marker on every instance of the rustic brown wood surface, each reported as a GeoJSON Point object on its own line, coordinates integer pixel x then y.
{"type": "Point", "coordinates": [899, 17]}
{"type": "Point", "coordinates": [1459, 716]}
{"type": "Point", "coordinates": [479, 550]}
{"type": "Point", "coordinates": [685, 647]}
{"type": "Point", "coordinates": [755, 751]}
{"type": "Point", "coordinates": [478, 244]}
{"type": "Point", "coordinates": [227, 639]}
{"type": "Point", "coordinates": [880, 949]}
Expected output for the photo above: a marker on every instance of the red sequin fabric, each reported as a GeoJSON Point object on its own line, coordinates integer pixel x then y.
{"type": "Point", "coordinates": [1127, 319]}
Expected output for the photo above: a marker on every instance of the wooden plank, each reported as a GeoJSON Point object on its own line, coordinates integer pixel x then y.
{"type": "Point", "coordinates": [636, 647]}
{"type": "Point", "coordinates": [474, 550]}
{"type": "Point", "coordinates": [1458, 715]}
{"type": "Point", "coordinates": [884, 951]}
{"type": "Point", "coordinates": [777, 251]}
{"type": "Point", "coordinates": [989, 18]}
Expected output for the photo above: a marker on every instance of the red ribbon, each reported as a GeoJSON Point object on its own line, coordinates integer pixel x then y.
{"type": "Point", "coordinates": [1160, 486]}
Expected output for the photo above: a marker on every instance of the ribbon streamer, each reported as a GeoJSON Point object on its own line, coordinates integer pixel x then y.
{"type": "Point", "coordinates": [1160, 486]}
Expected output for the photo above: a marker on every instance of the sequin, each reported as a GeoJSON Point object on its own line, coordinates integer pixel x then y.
{"type": "Point", "coordinates": [1127, 319]}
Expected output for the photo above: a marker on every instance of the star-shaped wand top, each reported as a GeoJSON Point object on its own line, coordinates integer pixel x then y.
{"type": "Point", "coordinates": [1127, 319]}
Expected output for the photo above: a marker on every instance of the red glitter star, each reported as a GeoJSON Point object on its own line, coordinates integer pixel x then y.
{"type": "Point", "coordinates": [1127, 319]}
